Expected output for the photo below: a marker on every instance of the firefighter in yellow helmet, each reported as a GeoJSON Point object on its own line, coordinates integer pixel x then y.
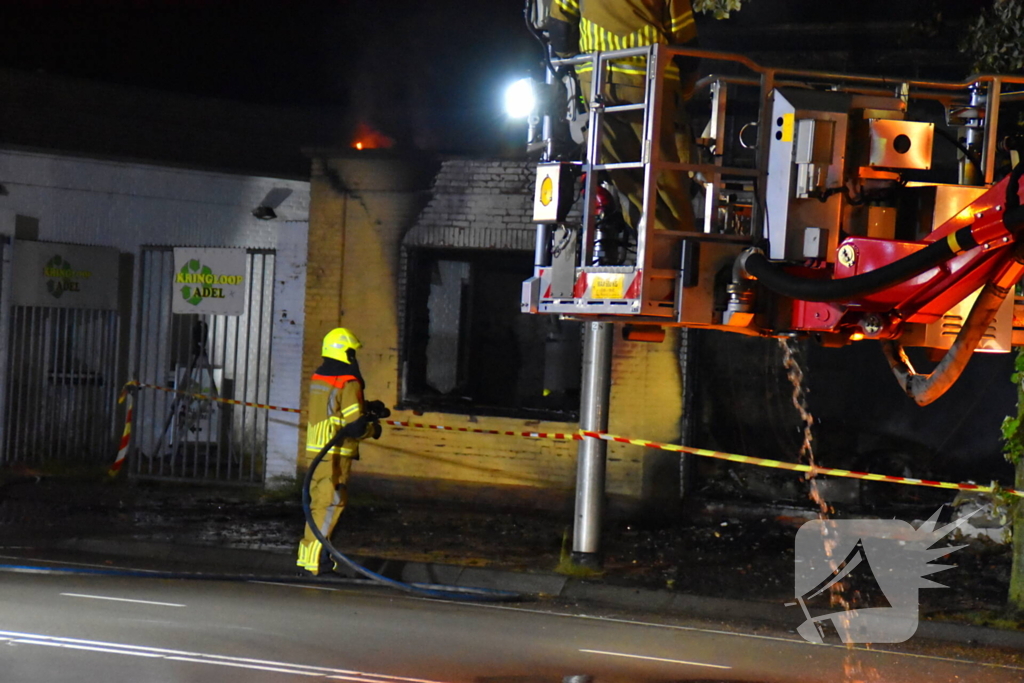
{"type": "Point", "coordinates": [588, 26]}
{"type": "Point", "coordinates": [335, 403]}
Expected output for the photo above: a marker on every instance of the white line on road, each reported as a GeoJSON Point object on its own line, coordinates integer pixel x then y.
{"type": "Point", "coordinates": [197, 660]}
{"type": "Point", "coordinates": [734, 634]}
{"type": "Point", "coordinates": [138, 602]}
{"type": "Point", "coordinates": [15, 638]}
{"type": "Point", "coordinates": [656, 659]}
{"type": "Point", "coordinates": [114, 651]}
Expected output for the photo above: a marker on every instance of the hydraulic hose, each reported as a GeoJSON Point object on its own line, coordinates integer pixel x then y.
{"type": "Point", "coordinates": [779, 281]}
{"type": "Point", "coordinates": [925, 388]}
{"type": "Point", "coordinates": [439, 591]}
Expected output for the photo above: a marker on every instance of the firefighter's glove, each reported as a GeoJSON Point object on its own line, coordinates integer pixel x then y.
{"type": "Point", "coordinates": [354, 430]}
{"type": "Point", "coordinates": [377, 410]}
{"type": "Point", "coordinates": [376, 430]}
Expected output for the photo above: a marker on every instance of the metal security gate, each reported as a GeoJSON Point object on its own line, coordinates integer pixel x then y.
{"type": "Point", "coordinates": [60, 386]}
{"type": "Point", "coordinates": [182, 438]}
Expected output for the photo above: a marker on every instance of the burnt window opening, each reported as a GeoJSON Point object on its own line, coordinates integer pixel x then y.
{"type": "Point", "coordinates": [470, 350]}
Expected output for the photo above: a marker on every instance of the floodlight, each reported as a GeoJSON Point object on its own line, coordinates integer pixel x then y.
{"type": "Point", "coordinates": [521, 98]}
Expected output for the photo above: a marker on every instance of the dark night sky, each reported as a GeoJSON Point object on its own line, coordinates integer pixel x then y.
{"type": "Point", "coordinates": [428, 73]}
{"type": "Point", "coordinates": [415, 69]}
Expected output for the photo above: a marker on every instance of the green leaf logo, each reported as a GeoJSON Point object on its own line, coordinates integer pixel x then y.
{"type": "Point", "coordinates": [57, 285]}
{"type": "Point", "coordinates": [193, 295]}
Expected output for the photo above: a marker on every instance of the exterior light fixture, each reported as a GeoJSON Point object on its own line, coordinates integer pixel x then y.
{"type": "Point", "coordinates": [521, 99]}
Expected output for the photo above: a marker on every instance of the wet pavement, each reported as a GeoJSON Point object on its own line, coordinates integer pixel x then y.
{"type": "Point", "coordinates": [725, 549]}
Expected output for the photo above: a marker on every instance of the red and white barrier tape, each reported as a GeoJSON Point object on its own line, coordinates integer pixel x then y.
{"type": "Point", "coordinates": [579, 436]}
{"type": "Point", "coordinates": [204, 397]}
{"type": "Point", "coordinates": [126, 435]}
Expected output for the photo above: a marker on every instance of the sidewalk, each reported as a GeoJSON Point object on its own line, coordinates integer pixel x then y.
{"type": "Point", "coordinates": [722, 564]}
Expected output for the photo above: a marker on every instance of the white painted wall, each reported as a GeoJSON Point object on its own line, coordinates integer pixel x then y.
{"type": "Point", "coordinates": [131, 205]}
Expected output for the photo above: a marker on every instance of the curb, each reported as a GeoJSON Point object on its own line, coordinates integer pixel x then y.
{"type": "Point", "coordinates": [536, 584]}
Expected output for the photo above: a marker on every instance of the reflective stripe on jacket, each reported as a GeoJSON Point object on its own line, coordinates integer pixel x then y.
{"type": "Point", "coordinates": [623, 24]}
{"type": "Point", "coordinates": [333, 403]}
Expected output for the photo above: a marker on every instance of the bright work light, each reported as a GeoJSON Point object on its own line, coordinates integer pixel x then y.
{"type": "Point", "coordinates": [521, 99]}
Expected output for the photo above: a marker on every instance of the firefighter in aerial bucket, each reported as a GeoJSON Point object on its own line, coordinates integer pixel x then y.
{"type": "Point", "coordinates": [336, 404]}
{"type": "Point", "coordinates": [588, 26]}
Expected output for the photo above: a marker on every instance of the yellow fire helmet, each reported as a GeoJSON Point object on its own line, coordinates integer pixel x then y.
{"type": "Point", "coordinates": [338, 342]}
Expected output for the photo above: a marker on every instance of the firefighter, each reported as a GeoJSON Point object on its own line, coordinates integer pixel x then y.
{"type": "Point", "coordinates": [587, 26]}
{"type": "Point", "coordinates": [335, 403]}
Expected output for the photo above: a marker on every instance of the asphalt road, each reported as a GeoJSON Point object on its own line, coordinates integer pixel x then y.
{"type": "Point", "coordinates": [57, 628]}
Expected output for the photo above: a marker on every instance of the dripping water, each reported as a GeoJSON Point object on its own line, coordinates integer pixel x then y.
{"type": "Point", "coordinates": [855, 671]}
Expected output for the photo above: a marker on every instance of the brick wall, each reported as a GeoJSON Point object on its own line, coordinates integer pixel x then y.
{"type": "Point", "coordinates": [364, 213]}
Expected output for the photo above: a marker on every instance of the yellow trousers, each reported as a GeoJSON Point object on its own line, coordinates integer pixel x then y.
{"type": "Point", "coordinates": [328, 494]}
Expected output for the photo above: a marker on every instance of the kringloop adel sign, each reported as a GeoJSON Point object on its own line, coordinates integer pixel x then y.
{"type": "Point", "coordinates": [209, 281]}
{"type": "Point", "coordinates": [64, 275]}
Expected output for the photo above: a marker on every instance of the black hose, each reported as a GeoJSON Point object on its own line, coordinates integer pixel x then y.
{"type": "Point", "coordinates": [776, 279]}
{"type": "Point", "coordinates": [971, 154]}
{"type": "Point", "coordinates": [441, 592]}
{"type": "Point", "coordinates": [530, 4]}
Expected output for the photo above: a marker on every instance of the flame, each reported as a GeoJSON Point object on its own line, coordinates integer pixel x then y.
{"type": "Point", "coordinates": [367, 137]}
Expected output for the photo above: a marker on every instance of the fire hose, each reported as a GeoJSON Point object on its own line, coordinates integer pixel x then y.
{"type": "Point", "coordinates": [426, 590]}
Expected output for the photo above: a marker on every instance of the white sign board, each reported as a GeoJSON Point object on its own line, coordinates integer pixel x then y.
{"type": "Point", "coordinates": [209, 281]}
{"type": "Point", "coordinates": [64, 275]}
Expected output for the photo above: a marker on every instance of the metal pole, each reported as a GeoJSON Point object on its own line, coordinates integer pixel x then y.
{"type": "Point", "coordinates": [992, 103]}
{"type": "Point", "coordinates": [970, 174]}
{"type": "Point", "coordinates": [590, 462]}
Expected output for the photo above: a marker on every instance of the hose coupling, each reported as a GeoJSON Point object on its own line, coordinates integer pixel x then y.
{"type": "Point", "coordinates": [739, 311]}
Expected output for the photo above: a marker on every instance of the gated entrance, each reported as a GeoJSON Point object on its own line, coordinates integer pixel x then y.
{"type": "Point", "coordinates": [224, 354]}
{"type": "Point", "coordinates": [61, 325]}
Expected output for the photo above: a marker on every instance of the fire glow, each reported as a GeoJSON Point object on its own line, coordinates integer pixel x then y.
{"type": "Point", "coordinates": [367, 137]}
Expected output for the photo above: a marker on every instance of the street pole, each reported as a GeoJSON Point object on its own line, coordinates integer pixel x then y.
{"type": "Point", "coordinates": [590, 460]}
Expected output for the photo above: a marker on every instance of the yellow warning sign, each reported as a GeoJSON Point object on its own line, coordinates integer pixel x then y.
{"type": "Point", "coordinates": [547, 190]}
{"type": "Point", "coordinates": [608, 286]}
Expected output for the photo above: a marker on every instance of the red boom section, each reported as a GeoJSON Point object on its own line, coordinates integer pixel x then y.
{"type": "Point", "coordinates": [925, 297]}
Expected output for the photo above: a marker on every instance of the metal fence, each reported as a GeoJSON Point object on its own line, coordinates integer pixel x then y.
{"type": "Point", "coordinates": [60, 385]}
{"type": "Point", "coordinates": [182, 438]}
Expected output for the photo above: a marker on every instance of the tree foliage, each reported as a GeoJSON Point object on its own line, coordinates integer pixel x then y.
{"type": "Point", "coordinates": [720, 8]}
{"type": "Point", "coordinates": [993, 40]}
{"type": "Point", "coordinates": [1013, 434]}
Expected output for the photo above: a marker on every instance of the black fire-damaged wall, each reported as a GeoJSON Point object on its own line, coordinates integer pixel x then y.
{"type": "Point", "coordinates": [863, 421]}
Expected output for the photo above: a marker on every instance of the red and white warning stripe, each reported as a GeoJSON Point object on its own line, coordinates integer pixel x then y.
{"type": "Point", "coordinates": [126, 435]}
{"type": "Point", "coordinates": [560, 436]}
{"type": "Point", "coordinates": [811, 470]}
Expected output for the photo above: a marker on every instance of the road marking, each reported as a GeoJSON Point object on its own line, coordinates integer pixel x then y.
{"type": "Point", "coordinates": [138, 602]}
{"type": "Point", "coordinates": [656, 659]}
{"type": "Point", "coordinates": [277, 669]}
{"type": "Point", "coordinates": [15, 638]}
{"type": "Point", "coordinates": [876, 650]}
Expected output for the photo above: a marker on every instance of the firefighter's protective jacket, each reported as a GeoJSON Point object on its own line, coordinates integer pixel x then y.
{"type": "Point", "coordinates": [586, 26]}
{"type": "Point", "coordinates": [335, 401]}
